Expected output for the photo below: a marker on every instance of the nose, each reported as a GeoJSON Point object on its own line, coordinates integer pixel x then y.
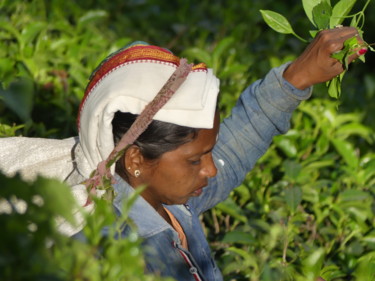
{"type": "Point", "coordinates": [209, 169]}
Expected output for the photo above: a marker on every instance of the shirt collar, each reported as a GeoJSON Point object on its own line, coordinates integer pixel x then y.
{"type": "Point", "coordinates": [140, 210]}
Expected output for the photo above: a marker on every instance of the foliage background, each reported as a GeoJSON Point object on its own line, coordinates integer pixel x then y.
{"type": "Point", "coordinates": [306, 209]}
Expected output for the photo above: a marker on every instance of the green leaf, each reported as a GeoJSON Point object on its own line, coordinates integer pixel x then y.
{"type": "Point", "coordinates": [286, 145]}
{"type": "Point", "coordinates": [91, 16]}
{"type": "Point", "coordinates": [6, 25]}
{"type": "Point", "coordinates": [353, 195]}
{"type": "Point", "coordinates": [293, 197]}
{"type": "Point", "coordinates": [322, 145]}
{"type": "Point", "coordinates": [313, 166]}
{"type": "Point", "coordinates": [365, 269]}
{"type": "Point", "coordinates": [340, 11]}
{"type": "Point", "coordinates": [57, 197]}
{"type": "Point", "coordinates": [347, 152]}
{"type": "Point", "coordinates": [350, 45]}
{"type": "Point", "coordinates": [313, 263]}
{"type": "Point", "coordinates": [199, 54]}
{"type": "Point", "coordinates": [313, 33]}
{"type": "Point", "coordinates": [308, 6]}
{"type": "Point", "coordinates": [231, 208]}
{"type": "Point", "coordinates": [222, 46]}
{"type": "Point", "coordinates": [219, 50]}
{"type": "Point", "coordinates": [330, 272]}
{"type": "Point", "coordinates": [277, 22]}
{"type": "Point", "coordinates": [19, 97]}
{"type": "Point", "coordinates": [321, 15]}
{"type": "Point", "coordinates": [292, 169]}
{"type": "Point", "coordinates": [31, 31]}
{"type": "Point", "coordinates": [238, 237]}
{"type": "Point", "coordinates": [351, 129]}
{"type": "Point", "coordinates": [334, 86]}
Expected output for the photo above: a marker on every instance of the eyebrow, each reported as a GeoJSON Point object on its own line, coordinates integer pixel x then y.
{"type": "Point", "coordinates": [210, 150]}
{"type": "Point", "coordinates": [203, 153]}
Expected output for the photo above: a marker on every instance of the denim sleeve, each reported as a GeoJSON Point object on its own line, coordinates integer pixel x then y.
{"type": "Point", "coordinates": [263, 110]}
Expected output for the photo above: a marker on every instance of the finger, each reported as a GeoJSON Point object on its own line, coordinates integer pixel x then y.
{"type": "Point", "coordinates": [340, 35]}
{"type": "Point", "coordinates": [358, 52]}
{"type": "Point", "coordinates": [344, 32]}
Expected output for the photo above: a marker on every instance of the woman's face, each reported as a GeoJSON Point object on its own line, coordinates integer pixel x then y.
{"type": "Point", "coordinates": [181, 173]}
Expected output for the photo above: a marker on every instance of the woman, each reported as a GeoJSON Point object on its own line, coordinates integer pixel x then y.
{"type": "Point", "coordinates": [187, 160]}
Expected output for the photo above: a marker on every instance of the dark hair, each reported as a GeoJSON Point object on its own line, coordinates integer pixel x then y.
{"type": "Point", "coordinates": [158, 138]}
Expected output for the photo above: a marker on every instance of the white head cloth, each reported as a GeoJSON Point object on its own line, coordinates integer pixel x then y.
{"type": "Point", "coordinates": [127, 81]}
{"type": "Point", "coordinates": [131, 85]}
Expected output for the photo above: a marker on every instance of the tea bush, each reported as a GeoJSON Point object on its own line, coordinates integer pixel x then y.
{"type": "Point", "coordinates": [306, 209]}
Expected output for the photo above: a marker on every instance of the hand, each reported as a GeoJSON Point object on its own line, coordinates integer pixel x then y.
{"type": "Point", "coordinates": [315, 65]}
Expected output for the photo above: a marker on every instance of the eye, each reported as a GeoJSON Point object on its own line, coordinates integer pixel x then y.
{"type": "Point", "coordinates": [195, 162]}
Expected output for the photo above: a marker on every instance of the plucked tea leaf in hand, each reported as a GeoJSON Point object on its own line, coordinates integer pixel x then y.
{"type": "Point", "coordinates": [349, 48]}
{"type": "Point", "coordinates": [334, 86]}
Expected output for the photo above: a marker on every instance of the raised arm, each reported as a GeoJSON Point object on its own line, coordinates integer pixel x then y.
{"type": "Point", "coordinates": [264, 110]}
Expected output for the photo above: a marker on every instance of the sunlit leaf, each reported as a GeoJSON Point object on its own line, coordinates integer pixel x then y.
{"type": "Point", "coordinates": [331, 272]}
{"type": "Point", "coordinates": [92, 16]}
{"type": "Point", "coordinates": [321, 15]}
{"type": "Point", "coordinates": [198, 54]}
{"type": "Point", "coordinates": [340, 11]}
{"type": "Point", "coordinates": [30, 33]}
{"type": "Point", "coordinates": [365, 269]}
{"type": "Point", "coordinates": [286, 145]}
{"type": "Point", "coordinates": [351, 129]}
{"type": "Point", "coordinates": [277, 22]}
{"type": "Point", "coordinates": [308, 6]}
{"type": "Point", "coordinates": [347, 152]}
{"type": "Point", "coordinates": [313, 263]}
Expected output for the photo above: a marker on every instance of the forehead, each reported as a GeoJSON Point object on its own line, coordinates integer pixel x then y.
{"type": "Point", "coordinates": [204, 142]}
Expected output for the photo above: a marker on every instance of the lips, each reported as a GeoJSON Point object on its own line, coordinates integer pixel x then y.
{"type": "Point", "coordinates": [198, 192]}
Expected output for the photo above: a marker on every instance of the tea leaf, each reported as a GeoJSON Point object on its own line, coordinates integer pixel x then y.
{"type": "Point", "coordinates": [347, 151]}
{"type": "Point", "coordinates": [277, 22]}
{"type": "Point", "coordinates": [308, 6]}
{"type": "Point", "coordinates": [30, 33]}
{"type": "Point", "coordinates": [340, 11]}
{"type": "Point", "coordinates": [321, 14]}
{"type": "Point", "coordinates": [19, 97]}
{"type": "Point", "coordinates": [334, 86]}
{"type": "Point", "coordinates": [293, 197]}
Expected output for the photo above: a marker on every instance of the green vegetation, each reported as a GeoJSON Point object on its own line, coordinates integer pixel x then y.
{"type": "Point", "coordinates": [307, 208]}
{"type": "Point", "coordinates": [323, 15]}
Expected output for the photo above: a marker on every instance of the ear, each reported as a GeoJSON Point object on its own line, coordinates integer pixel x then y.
{"type": "Point", "coordinates": [133, 160]}
{"type": "Point", "coordinates": [134, 165]}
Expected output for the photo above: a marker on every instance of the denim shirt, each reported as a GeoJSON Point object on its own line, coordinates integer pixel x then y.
{"type": "Point", "coordinates": [263, 110]}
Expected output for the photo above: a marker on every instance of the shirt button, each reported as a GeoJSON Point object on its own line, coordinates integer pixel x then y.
{"type": "Point", "coordinates": [193, 270]}
{"type": "Point", "coordinates": [187, 207]}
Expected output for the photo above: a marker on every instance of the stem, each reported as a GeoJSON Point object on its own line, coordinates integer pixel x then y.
{"type": "Point", "coordinates": [300, 38]}
{"type": "Point", "coordinates": [365, 6]}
